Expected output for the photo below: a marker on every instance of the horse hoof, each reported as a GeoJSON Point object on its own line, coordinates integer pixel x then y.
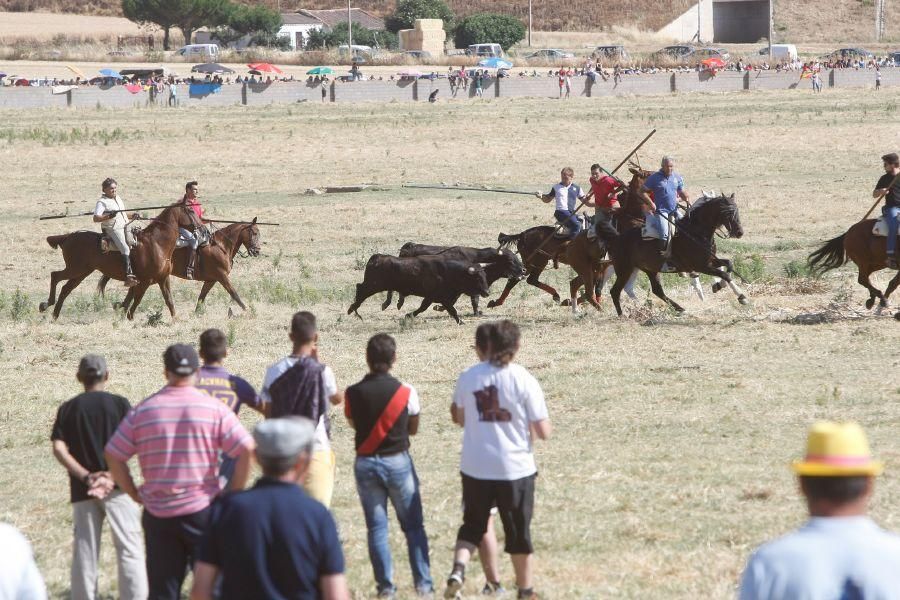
{"type": "Point", "coordinates": [717, 287]}
{"type": "Point", "coordinates": [493, 304]}
{"type": "Point", "coordinates": [743, 299]}
{"type": "Point", "coordinates": [565, 302]}
{"type": "Point", "coordinates": [556, 298]}
{"type": "Point", "coordinates": [43, 306]}
{"type": "Point", "coordinates": [870, 303]}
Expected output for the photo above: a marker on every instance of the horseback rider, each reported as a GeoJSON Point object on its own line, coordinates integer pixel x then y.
{"type": "Point", "coordinates": [602, 197]}
{"type": "Point", "coordinates": [666, 187]}
{"type": "Point", "coordinates": [110, 213]}
{"type": "Point", "coordinates": [191, 200]}
{"type": "Point", "coordinates": [891, 208]}
{"type": "Point", "coordinates": [566, 195]}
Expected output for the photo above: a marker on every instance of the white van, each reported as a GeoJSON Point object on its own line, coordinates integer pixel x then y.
{"type": "Point", "coordinates": [780, 51]}
{"type": "Point", "coordinates": [206, 52]}
{"type": "Point", "coordinates": [485, 50]}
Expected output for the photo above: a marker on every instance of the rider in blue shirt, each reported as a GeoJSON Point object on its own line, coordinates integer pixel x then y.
{"type": "Point", "coordinates": [667, 187]}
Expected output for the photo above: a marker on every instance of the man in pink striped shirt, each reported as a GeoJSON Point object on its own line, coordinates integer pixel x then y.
{"type": "Point", "coordinates": [177, 435]}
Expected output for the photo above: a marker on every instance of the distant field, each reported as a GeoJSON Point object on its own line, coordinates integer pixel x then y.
{"type": "Point", "coordinates": [45, 26]}
{"type": "Point", "coordinates": [673, 433]}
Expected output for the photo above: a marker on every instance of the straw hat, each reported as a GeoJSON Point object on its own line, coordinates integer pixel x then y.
{"type": "Point", "coordinates": [837, 450]}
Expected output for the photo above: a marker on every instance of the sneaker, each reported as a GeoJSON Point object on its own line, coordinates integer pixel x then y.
{"type": "Point", "coordinates": [454, 585]}
{"type": "Point", "coordinates": [386, 593]}
{"type": "Point", "coordinates": [493, 589]}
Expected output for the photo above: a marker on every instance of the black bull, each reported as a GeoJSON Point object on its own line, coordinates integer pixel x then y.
{"type": "Point", "coordinates": [434, 278]}
{"type": "Point", "coordinates": [498, 264]}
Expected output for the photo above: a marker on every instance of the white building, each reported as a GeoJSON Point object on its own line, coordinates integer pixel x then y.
{"type": "Point", "coordinates": [297, 26]}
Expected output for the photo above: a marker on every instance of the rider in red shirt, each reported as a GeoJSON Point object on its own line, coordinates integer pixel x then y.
{"type": "Point", "coordinates": [603, 195]}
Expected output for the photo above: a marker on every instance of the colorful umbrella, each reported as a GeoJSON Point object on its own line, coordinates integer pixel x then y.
{"type": "Point", "coordinates": [320, 71]}
{"type": "Point", "coordinates": [265, 67]}
{"type": "Point", "coordinates": [495, 63]}
{"type": "Point", "coordinates": [110, 73]}
{"type": "Point", "coordinates": [713, 63]}
{"type": "Point", "coordinates": [211, 68]}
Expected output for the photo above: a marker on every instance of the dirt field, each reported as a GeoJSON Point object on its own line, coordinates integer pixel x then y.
{"type": "Point", "coordinates": [673, 433]}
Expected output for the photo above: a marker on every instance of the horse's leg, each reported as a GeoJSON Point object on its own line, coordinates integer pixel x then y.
{"type": "Point", "coordinates": [510, 284]}
{"type": "Point", "coordinates": [55, 278]}
{"type": "Point", "coordinates": [729, 281]}
{"type": "Point", "coordinates": [165, 287]}
{"type": "Point", "coordinates": [207, 286]}
{"type": "Point", "coordinates": [616, 291]}
{"type": "Point", "coordinates": [574, 286]}
{"type": "Point", "coordinates": [226, 283]}
{"type": "Point", "coordinates": [695, 283]}
{"type": "Point", "coordinates": [139, 290]}
{"type": "Point", "coordinates": [874, 292]}
{"type": "Point", "coordinates": [126, 302]}
{"type": "Point", "coordinates": [892, 286]}
{"type": "Point", "coordinates": [70, 285]}
{"type": "Point", "coordinates": [657, 288]}
{"type": "Point", "coordinates": [629, 285]}
{"type": "Point", "coordinates": [388, 300]}
{"type": "Point", "coordinates": [101, 285]}
{"type": "Point", "coordinates": [534, 279]}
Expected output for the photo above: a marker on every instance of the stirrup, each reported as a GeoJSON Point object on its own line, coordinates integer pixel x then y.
{"type": "Point", "coordinates": [130, 281]}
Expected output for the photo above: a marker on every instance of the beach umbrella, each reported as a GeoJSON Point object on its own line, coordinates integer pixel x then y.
{"type": "Point", "coordinates": [713, 63]}
{"type": "Point", "coordinates": [110, 73]}
{"type": "Point", "coordinates": [265, 68]}
{"type": "Point", "coordinates": [320, 71]}
{"type": "Point", "coordinates": [495, 63]}
{"type": "Point", "coordinates": [77, 71]}
{"type": "Point", "coordinates": [211, 69]}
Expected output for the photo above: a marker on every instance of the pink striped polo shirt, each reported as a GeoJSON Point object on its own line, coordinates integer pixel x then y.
{"type": "Point", "coordinates": [177, 435]}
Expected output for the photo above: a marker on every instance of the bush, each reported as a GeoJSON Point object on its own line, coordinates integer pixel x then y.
{"type": "Point", "coordinates": [750, 266]}
{"type": "Point", "coordinates": [489, 28]}
{"type": "Point", "coordinates": [797, 269]}
{"type": "Point", "coordinates": [361, 37]}
{"type": "Point", "coordinates": [408, 11]}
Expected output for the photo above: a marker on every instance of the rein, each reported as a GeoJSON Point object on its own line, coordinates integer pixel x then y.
{"type": "Point", "coordinates": [706, 247]}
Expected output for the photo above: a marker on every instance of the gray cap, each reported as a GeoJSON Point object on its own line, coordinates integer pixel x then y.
{"type": "Point", "coordinates": [286, 437]}
{"type": "Point", "coordinates": [92, 365]}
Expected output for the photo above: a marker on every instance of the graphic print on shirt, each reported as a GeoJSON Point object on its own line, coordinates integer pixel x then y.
{"type": "Point", "coordinates": [219, 388]}
{"type": "Point", "coordinates": [488, 405]}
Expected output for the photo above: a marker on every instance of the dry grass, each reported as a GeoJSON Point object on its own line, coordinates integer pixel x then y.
{"type": "Point", "coordinates": [673, 433]}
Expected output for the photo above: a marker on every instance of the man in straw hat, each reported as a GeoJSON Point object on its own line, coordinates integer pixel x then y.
{"type": "Point", "coordinates": [840, 552]}
{"type": "Point", "coordinates": [273, 541]}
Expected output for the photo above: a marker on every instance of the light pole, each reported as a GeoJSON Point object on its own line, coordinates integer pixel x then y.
{"type": "Point", "coordinates": [349, 30]}
{"type": "Point", "coordinates": [529, 23]}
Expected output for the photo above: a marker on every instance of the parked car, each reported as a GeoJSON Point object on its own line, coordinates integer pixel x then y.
{"type": "Point", "coordinates": [678, 53]}
{"type": "Point", "coordinates": [485, 50]}
{"type": "Point", "coordinates": [851, 53]}
{"type": "Point", "coordinates": [613, 52]}
{"type": "Point", "coordinates": [704, 53]}
{"type": "Point", "coordinates": [895, 56]}
{"type": "Point", "coordinates": [780, 51]}
{"type": "Point", "coordinates": [417, 54]}
{"type": "Point", "coordinates": [199, 52]}
{"type": "Point", "coordinates": [550, 54]}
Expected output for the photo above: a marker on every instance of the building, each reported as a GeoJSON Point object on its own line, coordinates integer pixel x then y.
{"type": "Point", "coordinates": [297, 26]}
{"type": "Point", "coordinates": [722, 21]}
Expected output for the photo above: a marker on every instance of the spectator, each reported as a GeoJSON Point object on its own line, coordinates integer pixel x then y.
{"type": "Point", "coordinates": [216, 381]}
{"type": "Point", "coordinates": [385, 412]}
{"type": "Point", "coordinates": [19, 575]}
{"type": "Point", "coordinates": [83, 426]}
{"type": "Point", "coordinates": [299, 385]}
{"type": "Point", "coordinates": [273, 541]}
{"type": "Point", "coordinates": [840, 552]}
{"type": "Point", "coordinates": [499, 404]}
{"type": "Point", "coordinates": [180, 471]}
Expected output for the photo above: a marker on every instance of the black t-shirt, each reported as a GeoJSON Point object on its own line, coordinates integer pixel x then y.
{"type": "Point", "coordinates": [85, 423]}
{"type": "Point", "coordinates": [366, 400]}
{"type": "Point", "coordinates": [893, 196]}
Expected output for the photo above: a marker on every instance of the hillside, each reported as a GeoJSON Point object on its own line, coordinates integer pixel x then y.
{"type": "Point", "coordinates": [796, 20]}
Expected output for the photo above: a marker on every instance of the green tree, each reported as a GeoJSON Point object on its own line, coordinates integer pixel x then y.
{"type": "Point", "coordinates": [187, 15]}
{"type": "Point", "coordinates": [489, 28]}
{"type": "Point", "coordinates": [404, 17]}
{"type": "Point", "coordinates": [361, 36]}
{"type": "Point", "coordinates": [150, 12]}
{"type": "Point", "coordinates": [259, 22]}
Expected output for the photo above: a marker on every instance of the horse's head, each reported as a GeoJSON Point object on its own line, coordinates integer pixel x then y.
{"type": "Point", "coordinates": [712, 212]}
{"type": "Point", "coordinates": [638, 177]}
{"type": "Point", "coordinates": [179, 215]}
{"type": "Point", "coordinates": [250, 238]}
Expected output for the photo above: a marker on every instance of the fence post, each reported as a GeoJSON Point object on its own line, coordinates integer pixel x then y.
{"type": "Point", "coordinates": [672, 86]}
{"type": "Point", "coordinates": [831, 78]}
{"type": "Point", "coordinates": [415, 90]}
{"type": "Point", "coordinates": [747, 80]}
{"type": "Point", "coordinates": [244, 94]}
{"type": "Point", "coordinates": [69, 99]}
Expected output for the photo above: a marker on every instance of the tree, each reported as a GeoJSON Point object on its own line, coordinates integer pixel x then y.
{"type": "Point", "coordinates": [187, 15]}
{"type": "Point", "coordinates": [408, 11]}
{"type": "Point", "coordinates": [259, 22]}
{"type": "Point", "coordinates": [489, 28]}
{"type": "Point", "coordinates": [361, 36]}
{"type": "Point", "coordinates": [149, 11]}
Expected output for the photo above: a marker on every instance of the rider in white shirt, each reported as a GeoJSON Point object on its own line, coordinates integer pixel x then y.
{"type": "Point", "coordinates": [110, 213]}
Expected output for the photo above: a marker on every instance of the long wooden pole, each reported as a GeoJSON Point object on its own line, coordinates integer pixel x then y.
{"type": "Point", "coordinates": [881, 197]}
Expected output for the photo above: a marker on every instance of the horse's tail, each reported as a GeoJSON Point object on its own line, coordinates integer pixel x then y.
{"type": "Point", "coordinates": [56, 240]}
{"type": "Point", "coordinates": [830, 256]}
{"type": "Point", "coordinates": [506, 241]}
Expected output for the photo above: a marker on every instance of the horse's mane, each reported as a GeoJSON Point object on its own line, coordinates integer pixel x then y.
{"type": "Point", "coordinates": [722, 203]}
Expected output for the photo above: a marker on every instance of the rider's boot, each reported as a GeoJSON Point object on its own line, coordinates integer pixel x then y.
{"type": "Point", "coordinates": [192, 258]}
{"type": "Point", "coordinates": [891, 261]}
{"type": "Point", "coordinates": [130, 279]}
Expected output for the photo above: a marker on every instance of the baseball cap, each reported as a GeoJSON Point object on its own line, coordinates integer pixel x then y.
{"type": "Point", "coordinates": [181, 359]}
{"type": "Point", "coordinates": [285, 437]}
{"type": "Point", "coordinates": [92, 365]}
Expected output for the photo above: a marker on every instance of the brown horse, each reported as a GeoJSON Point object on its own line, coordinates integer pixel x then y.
{"type": "Point", "coordinates": [214, 261]}
{"type": "Point", "coordinates": [151, 258]}
{"type": "Point", "coordinates": [864, 248]}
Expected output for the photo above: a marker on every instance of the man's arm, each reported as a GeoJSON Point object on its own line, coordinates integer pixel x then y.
{"type": "Point", "coordinates": [241, 471]}
{"type": "Point", "coordinates": [204, 580]}
{"type": "Point", "coordinates": [412, 425]}
{"type": "Point", "coordinates": [457, 414]}
{"type": "Point", "coordinates": [332, 587]}
{"type": "Point", "coordinates": [545, 198]}
{"type": "Point", "coordinates": [122, 476]}
{"type": "Point", "coordinates": [541, 429]}
{"type": "Point", "coordinates": [61, 452]}
{"type": "Point", "coordinates": [645, 198]}
{"type": "Point", "coordinates": [337, 397]}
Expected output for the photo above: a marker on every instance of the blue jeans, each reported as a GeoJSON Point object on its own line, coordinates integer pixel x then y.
{"type": "Point", "coordinates": [890, 216]}
{"type": "Point", "coordinates": [570, 221]}
{"type": "Point", "coordinates": [393, 476]}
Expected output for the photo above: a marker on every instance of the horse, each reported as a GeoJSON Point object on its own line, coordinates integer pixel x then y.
{"type": "Point", "coordinates": [214, 264]}
{"type": "Point", "coordinates": [693, 248]}
{"type": "Point", "coordinates": [864, 248]}
{"type": "Point", "coordinates": [151, 258]}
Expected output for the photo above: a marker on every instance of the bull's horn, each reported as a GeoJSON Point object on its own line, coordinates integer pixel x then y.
{"type": "Point", "coordinates": [471, 269]}
{"type": "Point", "coordinates": [500, 252]}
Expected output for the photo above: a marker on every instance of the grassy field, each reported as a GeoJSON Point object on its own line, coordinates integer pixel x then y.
{"type": "Point", "coordinates": [673, 433]}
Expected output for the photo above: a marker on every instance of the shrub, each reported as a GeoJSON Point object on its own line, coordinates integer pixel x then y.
{"type": "Point", "coordinates": [489, 28]}
{"type": "Point", "coordinates": [20, 307]}
{"type": "Point", "coordinates": [750, 267]}
{"type": "Point", "coordinates": [797, 269]}
{"type": "Point", "coordinates": [407, 11]}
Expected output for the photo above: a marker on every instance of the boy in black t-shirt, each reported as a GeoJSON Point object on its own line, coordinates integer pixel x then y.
{"type": "Point", "coordinates": [82, 428]}
{"type": "Point", "coordinates": [889, 187]}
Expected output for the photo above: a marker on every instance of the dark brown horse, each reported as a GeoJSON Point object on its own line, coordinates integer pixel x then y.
{"type": "Point", "coordinates": [865, 249]}
{"type": "Point", "coordinates": [214, 262]}
{"type": "Point", "coordinates": [151, 258]}
{"type": "Point", "coordinates": [693, 248]}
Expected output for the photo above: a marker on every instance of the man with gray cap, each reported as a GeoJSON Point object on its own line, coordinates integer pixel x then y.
{"type": "Point", "coordinates": [273, 541]}
{"type": "Point", "coordinates": [177, 435]}
{"type": "Point", "coordinates": [82, 428]}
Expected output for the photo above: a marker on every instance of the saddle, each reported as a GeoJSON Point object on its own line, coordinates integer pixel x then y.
{"type": "Point", "coordinates": [131, 238]}
{"type": "Point", "coordinates": [881, 229]}
{"type": "Point", "coordinates": [203, 237]}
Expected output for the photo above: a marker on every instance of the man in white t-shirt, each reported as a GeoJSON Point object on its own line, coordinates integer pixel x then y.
{"type": "Point", "coordinates": [565, 196]}
{"type": "Point", "coordinates": [19, 575]}
{"type": "Point", "coordinates": [500, 405]}
{"type": "Point", "coordinates": [110, 213]}
{"type": "Point", "coordinates": [300, 385]}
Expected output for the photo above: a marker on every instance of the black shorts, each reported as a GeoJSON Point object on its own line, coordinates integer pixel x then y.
{"type": "Point", "coordinates": [515, 503]}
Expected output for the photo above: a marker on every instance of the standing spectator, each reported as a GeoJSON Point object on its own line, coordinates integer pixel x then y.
{"type": "Point", "coordinates": [877, 78]}
{"type": "Point", "coordinates": [840, 552]}
{"type": "Point", "coordinates": [214, 379]}
{"type": "Point", "coordinates": [19, 575]}
{"type": "Point", "coordinates": [816, 82]}
{"type": "Point", "coordinates": [173, 94]}
{"type": "Point", "coordinates": [324, 86]}
{"type": "Point", "coordinates": [82, 429]}
{"type": "Point", "coordinates": [479, 84]}
{"type": "Point", "coordinates": [499, 404]}
{"type": "Point", "coordinates": [561, 75]}
{"type": "Point", "coordinates": [273, 541]}
{"type": "Point", "coordinates": [177, 435]}
{"type": "Point", "coordinates": [568, 80]}
{"type": "Point", "coordinates": [385, 412]}
{"type": "Point", "coordinates": [299, 385]}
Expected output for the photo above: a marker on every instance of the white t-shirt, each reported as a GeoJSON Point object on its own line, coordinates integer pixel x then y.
{"type": "Point", "coordinates": [566, 196]}
{"type": "Point", "coordinates": [500, 403]}
{"type": "Point", "coordinates": [19, 576]}
{"type": "Point", "coordinates": [320, 441]}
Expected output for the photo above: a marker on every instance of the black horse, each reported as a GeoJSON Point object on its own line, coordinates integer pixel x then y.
{"type": "Point", "coordinates": [693, 248]}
